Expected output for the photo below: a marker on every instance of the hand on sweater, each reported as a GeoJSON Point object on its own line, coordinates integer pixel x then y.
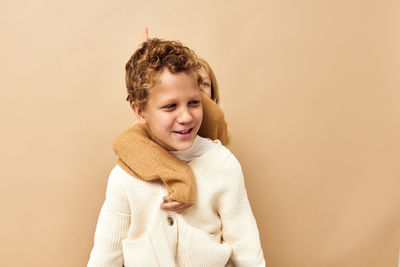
{"type": "Point", "coordinates": [173, 205]}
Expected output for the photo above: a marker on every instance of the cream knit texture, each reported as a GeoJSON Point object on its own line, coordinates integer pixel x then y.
{"type": "Point", "coordinates": [220, 228]}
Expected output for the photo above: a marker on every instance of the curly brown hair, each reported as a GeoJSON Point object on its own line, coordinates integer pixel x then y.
{"type": "Point", "coordinates": [153, 55]}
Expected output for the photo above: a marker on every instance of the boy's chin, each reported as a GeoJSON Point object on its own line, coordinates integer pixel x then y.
{"type": "Point", "coordinates": [183, 145]}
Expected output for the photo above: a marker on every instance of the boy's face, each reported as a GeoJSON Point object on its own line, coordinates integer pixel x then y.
{"type": "Point", "coordinates": [173, 112]}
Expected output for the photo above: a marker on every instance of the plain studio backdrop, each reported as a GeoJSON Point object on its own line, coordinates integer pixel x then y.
{"type": "Point", "coordinates": [311, 94]}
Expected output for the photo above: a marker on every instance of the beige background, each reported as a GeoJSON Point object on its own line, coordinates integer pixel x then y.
{"type": "Point", "coordinates": [311, 94]}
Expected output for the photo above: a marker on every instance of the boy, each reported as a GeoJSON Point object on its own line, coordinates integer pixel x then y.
{"type": "Point", "coordinates": [139, 155]}
{"type": "Point", "coordinates": [132, 229]}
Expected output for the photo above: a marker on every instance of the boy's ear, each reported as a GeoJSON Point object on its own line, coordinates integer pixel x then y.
{"type": "Point", "coordinates": [138, 112]}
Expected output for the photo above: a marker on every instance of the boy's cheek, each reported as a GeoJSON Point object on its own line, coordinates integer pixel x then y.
{"type": "Point", "coordinates": [200, 114]}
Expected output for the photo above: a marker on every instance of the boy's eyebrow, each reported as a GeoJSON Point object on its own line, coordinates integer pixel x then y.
{"type": "Point", "coordinates": [173, 99]}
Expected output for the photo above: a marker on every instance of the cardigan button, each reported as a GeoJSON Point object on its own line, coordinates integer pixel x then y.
{"type": "Point", "coordinates": [170, 220]}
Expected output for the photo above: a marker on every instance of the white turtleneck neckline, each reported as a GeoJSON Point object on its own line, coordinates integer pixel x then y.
{"type": "Point", "coordinates": [199, 147]}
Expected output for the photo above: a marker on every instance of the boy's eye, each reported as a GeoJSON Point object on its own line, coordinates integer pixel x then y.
{"type": "Point", "coordinates": [169, 107]}
{"type": "Point", "coordinates": [194, 103]}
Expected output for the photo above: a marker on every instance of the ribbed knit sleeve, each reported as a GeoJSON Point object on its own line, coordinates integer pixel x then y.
{"type": "Point", "coordinates": [112, 227]}
{"type": "Point", "coordinates": [239, 228]}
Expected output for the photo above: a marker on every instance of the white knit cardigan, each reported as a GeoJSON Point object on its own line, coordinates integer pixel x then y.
{"type": "Point", "coordinates": [219, 229]}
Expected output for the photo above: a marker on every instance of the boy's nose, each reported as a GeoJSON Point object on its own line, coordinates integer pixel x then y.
{"type": "Point", "coordinates": [184, 116]}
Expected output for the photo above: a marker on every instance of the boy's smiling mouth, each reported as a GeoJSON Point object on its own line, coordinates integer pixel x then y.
{"type": "Point", "coordinates": [184, 132]}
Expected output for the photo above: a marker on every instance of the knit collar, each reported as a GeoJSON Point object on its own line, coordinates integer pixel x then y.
{"type": "Point", "coordinates": [199, 147]}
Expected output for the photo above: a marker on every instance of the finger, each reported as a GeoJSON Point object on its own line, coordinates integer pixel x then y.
{"type": "Point", "coordinates": [145, 34]}
{"type": "Point", "coordinates": [170, 205]}
{"type": "Point", "coordinates": [182, 209]}
{"type": "Point", "coordinates": [183, 206]}
{"type": "Point", "coordinates": [176, 210]}
{"type": "Point", "coordinates": [167, 199]}
{"type": "Point", "coordinates": [179, 207]}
